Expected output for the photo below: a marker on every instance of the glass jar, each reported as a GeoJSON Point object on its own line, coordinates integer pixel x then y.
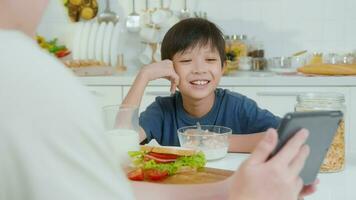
{"type": "Point", "coordinates": [235, 47]}
{"type": "Point", "coordinates": [239, 45]}
{"type": "Point", "coordinates": [316, 58]}
{"type": "Point", "coordinates": [335, 157]}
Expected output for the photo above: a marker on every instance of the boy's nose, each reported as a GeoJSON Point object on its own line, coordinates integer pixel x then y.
{"type": "Point", "coordinates": [199, 68]}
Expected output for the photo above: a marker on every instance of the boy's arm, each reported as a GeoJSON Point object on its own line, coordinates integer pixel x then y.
{"type": "Point", "coordinates": [244, 143]}
{"type": "Point", "coordinates": [162, 69]}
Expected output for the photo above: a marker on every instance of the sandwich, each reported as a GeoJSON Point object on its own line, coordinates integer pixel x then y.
{"type": "Point", "coordinates": [157, 163]}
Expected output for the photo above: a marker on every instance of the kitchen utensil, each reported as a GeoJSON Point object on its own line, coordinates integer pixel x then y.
{"type": "Point", "coordinates": [184, 13]}
{"type": "Point", "coordinates": [211, 139]}
{"type": "Point", "coordinates": [149, 34]}
{"type": "Point", "coordinates": [146, 15]}
{"type": "Point", "coordinates": [160, 15]}
{"type": "Point", "coordinates": [108, 15]}
{"type": "Point", "coordinates": [280, 64]}
{"type": "Point", "coordinates": [157, 53]}
{"type": "Point", "coordinates": [120, 66]}
{"type": "Point", "coordinates": [146, 56]}
{"type": "Point", "coordinates": [297, 61]}
{"type": "Point", "coordinates": [245, 63]}
{"type": "Point", "coordinates": [133, 20]}
{"type": "Point", "coordinates": [299, 53]}
{"type": "Point", "coordinates": [259, 64]}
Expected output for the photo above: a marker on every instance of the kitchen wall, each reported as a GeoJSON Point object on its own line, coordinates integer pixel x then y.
{"type": "Point", "coordinates": [284, 26]}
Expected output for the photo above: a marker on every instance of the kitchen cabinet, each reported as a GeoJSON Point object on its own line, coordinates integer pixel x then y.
{"type": "Point", "coordinates": [151, 92]}
{"type": "Point", "coordinates": [281, 100]}
{"type": "Point", "coordinates": [106, 95]}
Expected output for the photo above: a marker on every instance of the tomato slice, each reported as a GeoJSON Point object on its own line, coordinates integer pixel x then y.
{"type": "Point", "coordinates": [136, 175]}
{"type": "Point", "coordinates": [156, 175]}
{"type": "Point", "coordinates": [163, 156]}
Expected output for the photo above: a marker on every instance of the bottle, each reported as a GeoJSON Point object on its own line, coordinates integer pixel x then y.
{"type": "Point", "coordinates": [335, 157]}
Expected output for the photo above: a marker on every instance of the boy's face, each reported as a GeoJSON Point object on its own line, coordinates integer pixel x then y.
{"type": "Point", "coordinates": [199, 70]}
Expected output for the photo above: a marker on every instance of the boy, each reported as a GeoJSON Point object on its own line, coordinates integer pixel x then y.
{"type": "Point", "coordinates": [193, 59]}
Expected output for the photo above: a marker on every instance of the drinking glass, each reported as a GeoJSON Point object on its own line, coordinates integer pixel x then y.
{"type": "Point", "coordinates": [122, 129]}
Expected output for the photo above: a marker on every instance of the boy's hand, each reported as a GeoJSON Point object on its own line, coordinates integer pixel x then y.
{"type": "Point", "coordinates": [161, 69]}
{"type": "Point", "coordinates": [274, 179]}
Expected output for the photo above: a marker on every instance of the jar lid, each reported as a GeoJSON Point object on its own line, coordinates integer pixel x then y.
{"type": "Point", "coordinates": [321, 96]}
{"type": "Point", "coordinates": [239, 37]}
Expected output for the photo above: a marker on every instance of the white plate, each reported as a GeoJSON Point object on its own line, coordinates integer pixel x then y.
{"type": "Point", "coordinates": [99, 42]}
{"type": "Point", "coordinates": [106, 43]}
{"type": "Point", "coordinates": [76, 40]}
{"type": "Point", "coordinates": [91, 42]}
{"type": "Point", "coordinates": [84, 41]}
{"type": "Point", "coordinates": [114, 45]}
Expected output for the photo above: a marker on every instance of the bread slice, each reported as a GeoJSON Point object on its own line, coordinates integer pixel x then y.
{"type": "Point", "coordinates": [169, 150]}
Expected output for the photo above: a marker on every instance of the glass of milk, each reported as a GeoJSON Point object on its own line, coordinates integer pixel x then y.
{"type": "Point", "coordinates": [122, 130]}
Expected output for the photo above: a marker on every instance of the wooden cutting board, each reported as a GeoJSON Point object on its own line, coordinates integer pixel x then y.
{"type": "Point", "coordinates": [329, 69]}
{"type": "Point", "coordinates": [207, 184]}
{"type": "Point", "coordinates": [204, 175]}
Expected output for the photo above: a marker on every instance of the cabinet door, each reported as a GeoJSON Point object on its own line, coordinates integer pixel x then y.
{"type": "Point", "coordinates": [151, 92]}
{"type": "Point", "coordinates": [280, 100]}
{"type": "Point", "coordinates": [283, 100]}
{"type": "Point", "coordinates": [352, 122]}
{"type": "Point", "coordinates": [106, 95]}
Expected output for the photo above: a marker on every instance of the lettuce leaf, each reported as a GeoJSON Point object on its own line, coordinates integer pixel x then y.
{"type": "Point", "coordinates": [196, 161]}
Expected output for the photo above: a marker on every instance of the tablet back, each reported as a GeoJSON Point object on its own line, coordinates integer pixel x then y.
{"type": "Point", "coordinates": [322, 126]}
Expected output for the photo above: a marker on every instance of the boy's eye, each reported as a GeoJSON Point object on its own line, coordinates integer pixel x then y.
{"type": "Point", "coordinates": [185, 61]}
{"type": "Point", "coordinates": [211, 59]}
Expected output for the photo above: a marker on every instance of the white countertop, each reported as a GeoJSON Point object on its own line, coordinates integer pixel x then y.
{"type": "Point", "coordinates": [240, 78]}
{"type": "Point", "coordinates": [333, 186]}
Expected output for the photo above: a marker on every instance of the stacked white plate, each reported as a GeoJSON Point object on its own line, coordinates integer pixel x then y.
{"type": "Point", "coordinates": [94, 41]}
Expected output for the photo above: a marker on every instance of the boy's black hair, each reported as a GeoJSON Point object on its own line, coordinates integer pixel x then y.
{"type": "Point", "coordinates": [189, 33]}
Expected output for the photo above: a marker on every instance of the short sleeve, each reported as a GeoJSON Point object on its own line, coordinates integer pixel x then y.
{"type": "Point", "coordinates": [151, 120]}
{"type": "Point", "coordinates": [254, 119]}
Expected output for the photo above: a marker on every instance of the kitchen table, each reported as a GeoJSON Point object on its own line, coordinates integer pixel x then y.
{"type": "Point", "coordinates": [333, 186]}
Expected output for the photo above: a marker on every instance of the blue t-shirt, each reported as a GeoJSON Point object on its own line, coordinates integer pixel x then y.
{"type": "Point", "coordinates": [164, 116]}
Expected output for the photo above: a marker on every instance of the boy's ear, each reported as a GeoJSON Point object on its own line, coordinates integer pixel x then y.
{"type": "Point", "coordinates": [224, 67]}
{"type": "Point", "coordinates": [224, 64]}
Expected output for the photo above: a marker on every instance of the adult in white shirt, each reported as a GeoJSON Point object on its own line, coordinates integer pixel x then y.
{"type": "Point", "coordinates": [51, 134]}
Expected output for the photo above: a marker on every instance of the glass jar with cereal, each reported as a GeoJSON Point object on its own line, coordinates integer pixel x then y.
{"type": "Point", "coordinates": [335, 158]}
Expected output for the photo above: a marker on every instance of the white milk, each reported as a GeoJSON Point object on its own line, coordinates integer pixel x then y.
{"type": "Point", "coordinates": [123, 141]}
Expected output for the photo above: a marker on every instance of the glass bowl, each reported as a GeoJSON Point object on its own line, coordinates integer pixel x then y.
{"type": "Point", "coordinates": [212, 140]}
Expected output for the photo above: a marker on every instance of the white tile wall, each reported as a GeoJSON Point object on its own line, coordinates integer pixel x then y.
{"type": "Point", "coordinates": [285, 26]}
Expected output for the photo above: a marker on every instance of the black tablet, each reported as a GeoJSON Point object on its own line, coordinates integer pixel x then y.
{"type": "Point", "coordinates": [322, 126]}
